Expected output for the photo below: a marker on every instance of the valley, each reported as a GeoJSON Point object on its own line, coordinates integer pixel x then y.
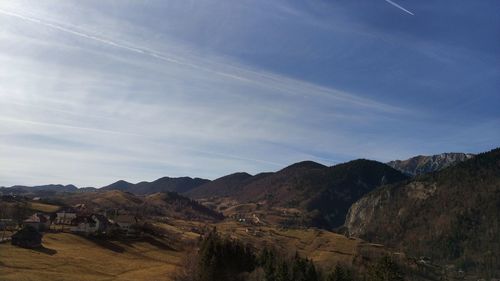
{"type": "Point", "coordinates": [299, 210]}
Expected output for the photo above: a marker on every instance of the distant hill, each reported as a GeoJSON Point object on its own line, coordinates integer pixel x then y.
{"type": "Point", "coordinates": [324, 194]}
{"type": "Point", "coordinates": [426, 164]}
{"type": "Point", "coordinates": [228, 185]}
{"type": "Point", "coordinates": [165, 184]}
{"type": "Point", "coordinates": [39, 189]}
{"type": "Point", "coordinates": [169, 204]}
{"type": "Point", "coordinates": [451, 215]}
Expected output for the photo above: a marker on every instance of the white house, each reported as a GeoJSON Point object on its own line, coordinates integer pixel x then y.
{"type": "Point", "coordinates": [65, 216]}
{"type": "Point", "coordinates": [93, 224]}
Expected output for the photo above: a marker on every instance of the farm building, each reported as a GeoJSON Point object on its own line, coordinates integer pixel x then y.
{"type": "Point", "coordinates": [92, 224]}
{"type": "Point", "coordinates": [126, 224]}
{"type": "Point", "coordinates": [39, 221]}
{"type": "Point", "coordinates": [65, 216]}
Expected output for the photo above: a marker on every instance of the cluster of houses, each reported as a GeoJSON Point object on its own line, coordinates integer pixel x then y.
{"type": "Point", "coordinates": [245, 219]}
{"type": "Point", "coordinates": [79, 221]}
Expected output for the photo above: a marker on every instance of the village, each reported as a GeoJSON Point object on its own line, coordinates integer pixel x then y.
{"type": "Point", "coordinates": [78, 219]}
{"type": "Point", "coordinates": [25, 226]}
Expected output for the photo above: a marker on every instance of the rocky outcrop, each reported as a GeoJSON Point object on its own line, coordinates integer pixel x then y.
{"type": "Point", "coordinates": [427, 164]}
{"type": "Point", "coordinates": [363, 211]}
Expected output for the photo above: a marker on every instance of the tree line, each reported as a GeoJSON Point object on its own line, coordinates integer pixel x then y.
{"type": "Point", "coordinates": [218, 258]}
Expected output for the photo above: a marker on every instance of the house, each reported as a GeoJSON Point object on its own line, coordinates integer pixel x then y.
{"type": "Point", "coordinates": [38, 221]}
{"type": "Point", "coordinates": [90, 225]}
{"type": "Point", "coordinates": [255, 219]}
{"type": "Point", "coordinates": [82, 209]}
{"type": "Point", "coordinates": [65, 216]}
{"type": "Point", "coordinates": [83, 224]}
{"type": "Point", "coordinates": [126, 224]}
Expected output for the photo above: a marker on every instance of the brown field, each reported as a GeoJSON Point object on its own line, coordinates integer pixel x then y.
{"type": "Point", "coordinates": [70, 257]}
{"type": "Point", "coordinates": [42, 207]}
{"type": "Point", "coordinates": [324, 247]}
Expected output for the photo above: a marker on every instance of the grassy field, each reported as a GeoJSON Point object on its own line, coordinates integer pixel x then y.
{"type": "Point", "coordinates": [70, 257]}
{"type": "Point", "coordinates": [324, 247]}
{"type": "Point", "coordinates": [42, 207]}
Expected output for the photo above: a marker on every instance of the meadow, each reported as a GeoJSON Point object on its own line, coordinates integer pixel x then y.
{"type": "Point", "coordinates": [70, 257]}
{"type": "Point", "coordinates": [66, 256]}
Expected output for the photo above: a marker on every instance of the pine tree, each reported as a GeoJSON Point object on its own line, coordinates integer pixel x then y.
{"type": "Point", "coordinates": [282, 273]}
{"type": "Point", "coordinates": [340, 274]}
{"type": "Point", "coordinates": [310, 274]}
{"type": "Point", "coordinates": [385, 270]}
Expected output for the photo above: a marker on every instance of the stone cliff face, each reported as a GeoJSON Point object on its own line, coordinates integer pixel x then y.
{"type": "Point", "coordinates": [426, 164]}
{"type": "Point", "coordinates": [363, 211]}
{"type": "Point", "coordinates": [396, 201]}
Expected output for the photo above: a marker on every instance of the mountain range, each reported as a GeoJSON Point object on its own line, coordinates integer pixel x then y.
{"type": "Point", "coordinates": [231, 184]}
{"type": "Point", "coordinates": [445, 207]}
{"type": "Point", "coordinates": [165, 184]}
{"type": "Point", "coordinates": [321, 194]}
{"type": "Point", "coordinates": [39, 189]}
{"type": "Point", "coordinates": [419, 165]}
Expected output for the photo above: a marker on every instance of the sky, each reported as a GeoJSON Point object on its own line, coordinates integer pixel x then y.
{"type": "Point", "coordinates": [96, 91]}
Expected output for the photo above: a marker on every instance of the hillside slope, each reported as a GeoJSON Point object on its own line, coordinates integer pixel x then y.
{"type": "Point", "coordinates": [451, 215]}
{"type": "Point", "coordinates": [169, 204]}
{"type": "Point", "coordinates": [67, 256]}
{"type": "Point", "coordinates": [322, 194]}
{"type": "Point", "coordinates": [225, 186]}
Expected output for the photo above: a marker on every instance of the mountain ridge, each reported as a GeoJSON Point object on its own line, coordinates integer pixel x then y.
{"type": "Point", "coordinates": [322, 194]}
{"type": "Point", "coordinates": [163, 184]}
{"type": "Point", "coordinates": [423, 164]}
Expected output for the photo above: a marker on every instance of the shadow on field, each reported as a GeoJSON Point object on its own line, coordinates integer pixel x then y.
{"type": "Point", "coordinates": [150, 240]}
{"type": "Point", "coordinates": [44, 250]}
{"type": "Point", "coordinates": [158, 243]}
{"type": "Point", "coordinates": [115, 247]}
{"type": "Point", "coordinates": [107, 244]}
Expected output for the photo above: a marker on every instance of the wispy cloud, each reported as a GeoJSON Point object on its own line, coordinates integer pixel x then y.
{"type": "Point", "coordinates": [233, 71]}
{"type": "Point", "coordinates": [99, 96]}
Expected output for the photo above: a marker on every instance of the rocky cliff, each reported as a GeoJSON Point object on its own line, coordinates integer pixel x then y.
{"type": "Point", "coordinates": [426, 164]}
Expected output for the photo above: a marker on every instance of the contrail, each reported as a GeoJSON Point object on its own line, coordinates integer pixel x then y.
{"type": "Point", "coordinates": [399, 7]}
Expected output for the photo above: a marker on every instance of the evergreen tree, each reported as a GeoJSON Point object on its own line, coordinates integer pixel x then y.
{"type": "Point", "coordinates": [223, 259]}
{"type": "Point", "coordinates": [340, 274]}
{"type": "Point", "coordinates": [310, 274]}
{"type": "Point", "coordinates": [270, 266]}
{"type": "Point", "coordinates": [282, 273]}
{"type": "Point", "coordinates": [385, 270]}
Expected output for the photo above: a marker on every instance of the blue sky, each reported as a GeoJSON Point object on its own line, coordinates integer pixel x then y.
{"type": "Point", "coordinates": [96, 91]}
